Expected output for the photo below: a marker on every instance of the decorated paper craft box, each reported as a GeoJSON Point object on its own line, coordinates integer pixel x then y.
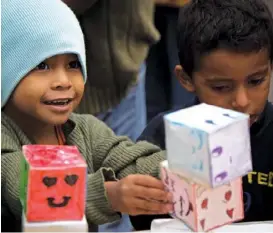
{"type": "Point", "coordinates": [53, 183]}
{"type": "Point", "coordinates": [211, 145]}
{"type": "Point", "coordinates": [203, 209]}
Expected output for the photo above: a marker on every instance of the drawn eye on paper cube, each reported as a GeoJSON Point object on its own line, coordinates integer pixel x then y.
{"type": "Point", "coordinates": [71, 179]}
{"type": "Point", "coordinates": [228, 196]}
{"type": "Point", "coordinates": [53, 184]}
{"type": "Point", "coordinates": [210, 122]}
{"type": "Point", "coordinates": [49, 181]}
{"type": "Point", "coordinates": [184, 204]}
{"type": "Point", "coordinates": [216, 152]}
{"type": "Point", "coordinates": [220, 177]}
{"type": "Point", "coordinates": [229, 115]}
{"type": "Point", "coordinates": [208, 144]}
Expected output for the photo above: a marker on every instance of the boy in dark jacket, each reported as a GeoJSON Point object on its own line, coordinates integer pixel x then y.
{"type": "Point", "coordinates": [225, 52]}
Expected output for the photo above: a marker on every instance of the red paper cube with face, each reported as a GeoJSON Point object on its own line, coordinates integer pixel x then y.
{"type": "Point", "coordinates": [53, 183]}
{"type": "Point", "coordinates": [203, 209]}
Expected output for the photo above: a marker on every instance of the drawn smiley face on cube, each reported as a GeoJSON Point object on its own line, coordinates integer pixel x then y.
{"type": "Point", "coordinates": [202, 208]}
{"type": "Point", "coordinates": [53, 186]}
{"type": "Point", "coordinates": [50, 182]}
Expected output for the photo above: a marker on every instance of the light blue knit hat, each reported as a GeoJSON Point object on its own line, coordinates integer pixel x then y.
{"type": "Point", "coordinates": [32, 31]}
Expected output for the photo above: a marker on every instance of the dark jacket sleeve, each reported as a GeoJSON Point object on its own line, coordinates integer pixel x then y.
{"type": "Point", "coordinates": [153, 133]}
{"type": "Point", "coordinates": [8, 221]}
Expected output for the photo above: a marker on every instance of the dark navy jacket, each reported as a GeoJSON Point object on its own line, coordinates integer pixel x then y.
{"type": "Point", "coordinates": [257, 185]}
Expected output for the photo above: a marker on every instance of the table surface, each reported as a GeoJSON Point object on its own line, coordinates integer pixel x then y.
{"type": "Point", "coordinates": [243, 223]}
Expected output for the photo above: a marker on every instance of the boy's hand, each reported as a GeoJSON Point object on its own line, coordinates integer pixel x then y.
{"type": "Point", "coordinates": [139, 194]}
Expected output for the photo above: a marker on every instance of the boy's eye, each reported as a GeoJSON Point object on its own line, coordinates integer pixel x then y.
{"type": "Point", "coordinates": [42, 66]}
{"type": "Point", "coordinates": [256, 82]}
{"type": "Point", "coordinates": [222, 88]}
{"type": "Point", "coordinates": [75, 65]}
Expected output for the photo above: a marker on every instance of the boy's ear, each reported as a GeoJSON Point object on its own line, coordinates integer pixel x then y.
{"type": "Point", "coordinates": [184, 78]}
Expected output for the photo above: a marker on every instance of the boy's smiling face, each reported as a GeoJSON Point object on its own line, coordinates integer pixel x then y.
{"type": "Point", "coordinates": [231, 80]}
{"type": "Point", "coordinates": [50, 92]}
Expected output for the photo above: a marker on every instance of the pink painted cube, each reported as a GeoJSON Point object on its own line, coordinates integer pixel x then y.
{"type": "Point", "coordinates": [53, 183]}
{"type": "Point", "coordinates": [200, 208]}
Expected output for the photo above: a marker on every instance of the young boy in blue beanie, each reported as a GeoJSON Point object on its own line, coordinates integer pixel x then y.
{"type": "Point", "coordinates": [43, 74]}
{"type": "Point", "coordinates": [226, 54]}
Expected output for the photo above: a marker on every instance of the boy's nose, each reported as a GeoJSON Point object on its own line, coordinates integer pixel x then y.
{"type": "Point", "coordinates": [241, 100]}
{"type": "Point", "coordinates": [61, 81]}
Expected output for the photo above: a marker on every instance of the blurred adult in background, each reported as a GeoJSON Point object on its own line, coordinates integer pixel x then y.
{"type": "Point", "coordinates": [162, 89]}
{"type": "Point", "coordinates": [118, 35]}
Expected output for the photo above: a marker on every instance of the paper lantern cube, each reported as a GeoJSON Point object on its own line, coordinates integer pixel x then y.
{"type": "Point", "coordinates": [203, 209]}
{"type": "Point", "coordinates": [53, 183]}
{"type": "Point", "coordinates": [211, 145]}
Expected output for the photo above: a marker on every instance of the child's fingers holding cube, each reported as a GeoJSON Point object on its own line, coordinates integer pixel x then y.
{"type": "Point", "coordinates": [150, 207]}
{"type": "Point", "coordinates": [139, 194]}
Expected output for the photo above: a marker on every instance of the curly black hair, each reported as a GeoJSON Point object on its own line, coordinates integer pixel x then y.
{"type": "Point", "coordinates": [237, 25]}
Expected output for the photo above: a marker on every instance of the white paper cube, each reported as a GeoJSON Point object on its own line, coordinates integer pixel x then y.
{"type": "Point", "coordinates": [55, 226]}
{"type": "Point", "coordinates": [208, 144]}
